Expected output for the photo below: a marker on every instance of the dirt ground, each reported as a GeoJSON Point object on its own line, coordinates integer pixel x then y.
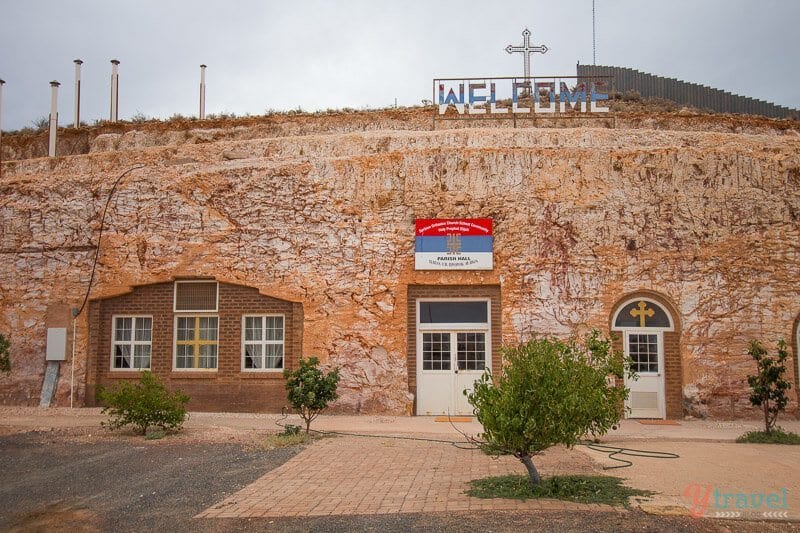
{"type": "Point", "coordinates": [73, 480]}
{"type": "Point", "coordinates": [88, 479]}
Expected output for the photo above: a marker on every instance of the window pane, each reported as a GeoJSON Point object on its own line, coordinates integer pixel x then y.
{"type": "Point", "coordinates": [185, 356]}
{"type": "Point", "coordinates": [122, 356]}
{"type": "Point", "coordinates": [208, 328]}
{"type": "Point", "coordinates": [453, 312]}
{"type": "Point", "coordinates": [208, 356]}
{"type": "Point", "coordinates": [122, 330]}
{"type": "Point", "coordinates": [643, 351]}
{"type": "Point", "coordinates": [185, 328]}
{"type": "Point", "coordinates": [274, 328]}
{"type": "Point", "coordinates": [252, 356]}
{"type": "Point", "coordinates": [436, 351]}
{"type": "Point", "coordinates": [141, 356]}
{"type": "Point", "coordinates": [274, 357]}
{"type": "Point", "coordinates": [642, 314]}
{"type": "Point", "coordinates": [471, 353]}
{"type": "Point", "coordinates": [252, 328]}
{"type": "Point", "coordinates": [143, 329]}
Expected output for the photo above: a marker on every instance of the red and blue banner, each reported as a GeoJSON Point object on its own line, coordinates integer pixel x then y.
{"type": "Point", "coordinates": [453, 244]}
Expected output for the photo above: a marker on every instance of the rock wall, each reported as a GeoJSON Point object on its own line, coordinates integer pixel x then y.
{"type": "Point", "coordinates": [582, 216]}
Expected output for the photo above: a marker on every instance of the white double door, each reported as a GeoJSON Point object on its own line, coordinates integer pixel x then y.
{"type": "Point", "coordinates": [449, 362]}
{"type": "Point", "coordinates": [645, 348]}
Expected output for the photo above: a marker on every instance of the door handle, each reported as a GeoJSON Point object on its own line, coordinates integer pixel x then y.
{"type": "Point", "coordinates": [456, 371]}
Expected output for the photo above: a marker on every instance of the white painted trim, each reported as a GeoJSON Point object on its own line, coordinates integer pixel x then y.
{"type": "Point", "coordinates": [133, 342]}
{"type": "Point", "coordinates": [621, 306]}
{"type": "Point", "coordinates": [184, 311]}
{"type": "Point", "coordinates": [263, 342]}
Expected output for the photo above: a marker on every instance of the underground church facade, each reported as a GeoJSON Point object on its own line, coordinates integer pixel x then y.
{"type": "Point", "coordinates": [224, 260]}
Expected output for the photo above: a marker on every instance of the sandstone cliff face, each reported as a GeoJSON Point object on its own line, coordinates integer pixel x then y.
{"type": "Point", "coordinates": [582, 216]}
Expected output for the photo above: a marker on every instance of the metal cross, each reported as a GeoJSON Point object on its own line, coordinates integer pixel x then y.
{"type": "Point", "coordinates": [642, 312]}
{"type": "Point", "coordinates": [526, 50]}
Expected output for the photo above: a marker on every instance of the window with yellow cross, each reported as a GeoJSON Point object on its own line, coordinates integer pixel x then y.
{"type": "Point", "coordinates": [196, 342]}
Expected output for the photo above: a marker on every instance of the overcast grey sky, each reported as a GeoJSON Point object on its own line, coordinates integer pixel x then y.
{"type": "Point", "coordinates": [320, 54]}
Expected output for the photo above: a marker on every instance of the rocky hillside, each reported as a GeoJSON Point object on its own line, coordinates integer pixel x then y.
{"type": "Point", "coordinates": [703, 209]}
{"type": "Point", "coordinates": [655, 114]}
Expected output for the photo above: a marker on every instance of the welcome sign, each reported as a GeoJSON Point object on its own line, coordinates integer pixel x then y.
{"type": "Point", "coordinates": [453, 244]}
{"type": "Point", "coordinates": [495, 97]}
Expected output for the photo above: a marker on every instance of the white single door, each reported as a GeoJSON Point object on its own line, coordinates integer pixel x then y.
{"type": "Point", "coordinates": [646, 352]}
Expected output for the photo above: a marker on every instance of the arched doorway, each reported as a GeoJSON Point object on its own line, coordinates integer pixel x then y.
{"type": "Point", "coordinates": [643, 323]}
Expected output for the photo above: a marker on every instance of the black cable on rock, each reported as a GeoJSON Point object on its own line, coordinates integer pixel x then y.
{"type": "Point", "coordinates": [76, 312]}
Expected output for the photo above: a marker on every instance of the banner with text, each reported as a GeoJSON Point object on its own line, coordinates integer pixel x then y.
{"type": "Point", "coordinates": [453, 244]}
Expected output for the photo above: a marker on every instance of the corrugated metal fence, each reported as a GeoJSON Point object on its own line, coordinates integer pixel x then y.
{"type": "Point", "coordinates": [689, 94]}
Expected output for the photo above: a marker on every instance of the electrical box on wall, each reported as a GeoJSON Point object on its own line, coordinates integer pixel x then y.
{"type": "Point", "coordinates": [56, 344]}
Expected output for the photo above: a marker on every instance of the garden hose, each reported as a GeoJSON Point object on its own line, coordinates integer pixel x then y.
{"type": "Point", "coordinates": [612, 451]}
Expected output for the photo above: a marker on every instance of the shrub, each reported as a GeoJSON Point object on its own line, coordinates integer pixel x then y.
{"type": "Point", "coordinates": [582, 489]}
{"type": "Point", "coordinates": [310, 390]}
{"type": "Point", "coordinates": [631, 96]}
{"type": "Point", "coordinates": [776, 436]}
{"type": "Point", "coordinates": [549, 392]}
{"type": "Point", "coordinates": [768, 386]}
{"type": "Point", "coordinates": [5, 360]}
{"type": "Point", "coordinates": [145, 404]}
{"type": "Point", "coordinates": [139, 118]}
{"type": "Point", "coordinates": [41, 124]}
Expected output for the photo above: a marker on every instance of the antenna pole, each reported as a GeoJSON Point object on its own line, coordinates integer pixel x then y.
{"type": "Point", "coordinates": [594, 42]}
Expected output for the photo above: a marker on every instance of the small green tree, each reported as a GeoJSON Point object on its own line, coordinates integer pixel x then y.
{"type": "Point", "coordinates": [310, 390]}
{"type": "Point", "coordinates": [768, 386]}
{"type": "Point", "coordinates": [549, 392]}
{"type": "Point", "coordinates": [5, 360]}
{"type": "Point", "coordinates": [144, 404]}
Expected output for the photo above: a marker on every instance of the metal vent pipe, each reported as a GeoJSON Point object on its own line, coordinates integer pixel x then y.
{"type": "Point", "coordinates": [202, 92]}
{"type": "Point", "coordinates": [51, 148]}
{"type": "Point", "coordinates": [78, 64]}
{"type": "Point", "coordinates": [2, 82]}
{"type": "Point", "coordinates": [114, 90]}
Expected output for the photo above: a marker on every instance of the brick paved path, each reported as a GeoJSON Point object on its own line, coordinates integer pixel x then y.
{"type": "Point", "coordinates": [351, 475]}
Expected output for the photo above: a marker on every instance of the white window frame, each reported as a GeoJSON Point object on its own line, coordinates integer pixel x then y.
{"type": "Point", "coordinates": [263, 342]}
{"type": "Point", "coordinates": [196, 316]}
{"type": "Point", "coordinates": [626, 303]}
{"type": "Point", "coordinates": [461, 326]}
{"type": "Point", "coordinates": [659, 331]}
{"type": "Point", "coordinates": [452, 328]}
{"type": "Point", "coordinates": [659, 334]}
{"type": "Point", "coordinates": [194, 311]}
{"type": "Point", "coordinates": [133, 342]}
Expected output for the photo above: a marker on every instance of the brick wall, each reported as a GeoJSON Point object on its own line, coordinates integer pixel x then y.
{"type": "Point", "coordinates": [226, 389]}
{"type": "Point", "coordinates": [417, 292]}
